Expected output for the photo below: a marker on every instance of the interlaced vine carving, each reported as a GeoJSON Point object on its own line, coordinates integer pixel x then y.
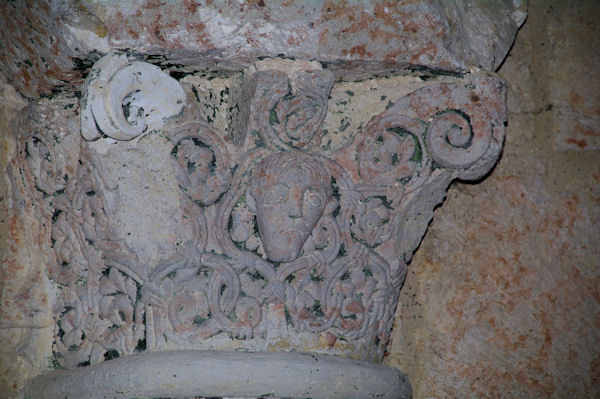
{"type": "Point", "coordinates": [288, 226]}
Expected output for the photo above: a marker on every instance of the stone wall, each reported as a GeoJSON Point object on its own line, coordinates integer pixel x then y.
{"type": "Point", "coordinates": [502, 298]}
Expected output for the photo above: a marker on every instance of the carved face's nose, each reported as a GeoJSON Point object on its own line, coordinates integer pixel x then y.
{"type": "Point", "coordinates": [295, 203]}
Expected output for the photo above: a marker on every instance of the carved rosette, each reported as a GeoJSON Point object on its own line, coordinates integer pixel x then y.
{"type": "Point", "coordinates": [291, 248]}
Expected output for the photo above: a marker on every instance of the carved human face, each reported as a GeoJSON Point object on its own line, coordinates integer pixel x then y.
{"type": "Point", "coordinates": [287, 213]}
{"type": "Point", "coordinates": [289, 192]}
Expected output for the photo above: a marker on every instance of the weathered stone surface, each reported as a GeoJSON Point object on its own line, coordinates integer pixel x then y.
{"type": "Point", "coordinates": [502, 298]}
{"type": "Point", "coordinates": [573, 91]}
{"type": "Point", "coordinates": [482, 31]}
{"type": "Point", "coordinates": [422, 32]}
{"type": "Point", "coordinates": [34, 52]}
{"type": "Point", "coordinates": [485, 331]}
{"type": "Point", "coordinates": [26, 322]}
{"type": "Point", "coordinates": [46, 45]}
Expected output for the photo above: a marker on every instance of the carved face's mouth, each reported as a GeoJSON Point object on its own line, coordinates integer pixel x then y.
{"type": "Point", "coordinates": [293, 237]}
{"type": "Point", "coordinates": [300, 228]}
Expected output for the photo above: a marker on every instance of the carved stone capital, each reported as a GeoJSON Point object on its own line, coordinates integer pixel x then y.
{"type": "Point", "coordinates": [272, 209]}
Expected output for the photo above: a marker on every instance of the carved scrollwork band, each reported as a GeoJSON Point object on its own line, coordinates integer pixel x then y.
{"type": "Point", "coordinates": [465, 123]}
{"type": "Point", "coordinates": [288, 117]}
{"type": "Point", "coordinates": [451, 141]}
{"type": "Point", "coordinates": [282, 234]}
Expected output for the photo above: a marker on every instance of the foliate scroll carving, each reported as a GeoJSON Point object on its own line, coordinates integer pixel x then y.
{"type": "Point", "coordinates": [124, 98]}
{"type": "Point", "coordinates": [283, 115]}
{"type": "Point", "coordinates": [465, 128]}
{"type": "Point", "coordinates": [288, 243]}
{"type": "Point", "coordinates": [298, 116]}
{"type": "Point", "coordinates": [201, 162]}
{"type": "Point", "coordinates": [451, 140]}
{"type": "Point", "coordinates": [96, 312]}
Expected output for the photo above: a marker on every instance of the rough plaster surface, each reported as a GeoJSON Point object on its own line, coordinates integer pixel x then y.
{"type": "Point", "coordinates": [44, 45]}
{"type": "Point", "coordinates": [328, 30]}
{"type": "Point", "coordinates": [502, 298]}
{"type": "Point", "coordinates": [35, 54]}
{"type": "Point", "coordinates": [573, 40]}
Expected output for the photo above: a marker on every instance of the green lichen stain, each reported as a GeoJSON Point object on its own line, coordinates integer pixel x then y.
{"type": "Point", "coordinates": [317, 309]}
{"type": "Point", "coordinates": [273, 120]}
